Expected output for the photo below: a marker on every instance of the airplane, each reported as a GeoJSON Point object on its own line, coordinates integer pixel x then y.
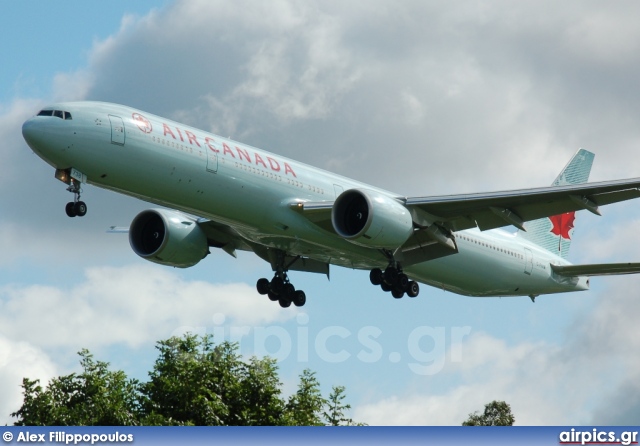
{"type": "Point", "coordinates": [219, 193]}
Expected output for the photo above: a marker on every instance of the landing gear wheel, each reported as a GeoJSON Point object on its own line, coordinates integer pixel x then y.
{"type": "Point", "coordinates": [413, 289]}
{"type": "Point", "coordinates": [385, 287]}
{"type": "Point", "coordinates": [402, 281]}
{"type": "Point", "coordinates": [277, 285]}
{"type": "Point", "coordinates": [284, 302]}
{"type": "Point", "coordinates": [376, 276]}
{"type": "Point", "coordinates": [263, 286]}
{"type": "Point", "coordinates": [272, 296]}
{"type": "Point", "coordinates": [390, 275]}
{"type": "Point", "coordinates": [288, 291]}
{"type": "Point", "coordinates": [299, 298]}
{"type": "Point", "coordinates": [397, 293]}
{"type": "Point", "coordinates": [70, 209]}
{"type": "Point", "coordinates": [80, 208]}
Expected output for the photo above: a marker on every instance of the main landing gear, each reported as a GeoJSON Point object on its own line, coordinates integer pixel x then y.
{"type": "Point", "coordinates": [281, 290]}
{"type": "Point", "coordinates": [395, 281]}
{"type": "Point", "coordinates": [75, 208]}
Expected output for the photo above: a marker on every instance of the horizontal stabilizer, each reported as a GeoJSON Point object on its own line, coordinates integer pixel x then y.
{"type": "Point", "coordinates": [598, 269]}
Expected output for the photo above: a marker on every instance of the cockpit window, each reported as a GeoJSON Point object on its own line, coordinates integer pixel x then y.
{"type": "Point", "coordinates": [57, 113]}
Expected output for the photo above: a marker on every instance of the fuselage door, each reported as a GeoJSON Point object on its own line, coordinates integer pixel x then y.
{"type": "Point", "coordinates": [212, 160]}
{"type": "Point", "coordinates": [338, 189]}
{"type": "Point", "coordinates": [528, 261]}
{"type": "Point", "coordinates": [117, 130]}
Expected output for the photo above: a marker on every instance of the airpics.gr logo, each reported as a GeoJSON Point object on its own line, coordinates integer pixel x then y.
{"type": "Point", "coordinates": [143, 123]}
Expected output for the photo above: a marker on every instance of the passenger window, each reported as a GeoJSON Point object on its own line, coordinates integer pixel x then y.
{"type": "Point", "coordinates": [58, 114]}
{"type": "Point", "coordinates": [45, 113]}
{"type": "Point", "coordinates": [67, 116]}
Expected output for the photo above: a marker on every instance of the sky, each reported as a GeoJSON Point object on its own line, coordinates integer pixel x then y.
{"type": "Point", "coordinates": [421, 98]}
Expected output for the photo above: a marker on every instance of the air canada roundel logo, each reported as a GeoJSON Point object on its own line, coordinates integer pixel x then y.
{"type": "Point", "coordinates": [143, 123]}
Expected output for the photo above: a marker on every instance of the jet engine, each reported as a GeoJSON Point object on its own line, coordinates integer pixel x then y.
{"type": "Point", "coordinates": [370, 219]}
{"type": "Point", "coordinates": [168, 238]}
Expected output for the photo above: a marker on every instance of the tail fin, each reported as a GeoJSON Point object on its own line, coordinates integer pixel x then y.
{"type": "Point", "coordinates": [554, 233]}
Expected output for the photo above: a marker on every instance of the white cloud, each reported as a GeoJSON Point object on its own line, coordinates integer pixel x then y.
{"type": "Point", "coordinates": [587, 377]}
{"type": "Point", "coordinates": [131, 305]}
{"type": "Point", "coordinates": [19, 359]}
{"type": "Point", "coordinates": [14, 151]}
{"type": "Point", "coordinates": [524, 375]}
{"type": "Point", "coordinates": [72, 86]}
{"type": "Point", "coordinates": [24, 242]}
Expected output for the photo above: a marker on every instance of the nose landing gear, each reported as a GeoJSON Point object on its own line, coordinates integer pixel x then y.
{"type": "Point", "coordinates": [75, 208]}
{"type": "Point", "coordinates": [74, 179]}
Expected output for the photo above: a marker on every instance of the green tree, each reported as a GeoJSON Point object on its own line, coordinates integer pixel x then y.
{"type": "Point", "coordinates": [261, 394]}
{"type": "Point", "coordinates": [304, 408]}
{"type": "Point", "coordinates": [196, 382]}
{"type": "Point", "coordinates": [336, 408]}
{"type": "Point", "coordinates": [193, 382]}
{"type": "Point", "coordinates": [96, 396]}
{"type": "Point", "coordinates": [496, 413]}
{"type": "Point", "coordinates": [188, 381]}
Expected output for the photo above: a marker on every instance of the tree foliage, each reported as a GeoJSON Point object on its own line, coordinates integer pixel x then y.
{"type": "Point", "coordinates": [193, 382]}
{"type": "Point", "coordinates": [305, 406]}
{"type": "Point", "coordinates": [496, 413]}
{"type": "Point", "coordinates": [334, 414]}
{"type": "Point", "coordinates": [96, 396]}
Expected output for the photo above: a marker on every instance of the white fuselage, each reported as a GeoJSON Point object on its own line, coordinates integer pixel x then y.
{"type": "Point", "coordinates": [174, 165]}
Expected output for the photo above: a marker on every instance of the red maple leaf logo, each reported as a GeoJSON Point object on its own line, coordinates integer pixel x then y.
{"type": "Point", "coordinates": [562, 224]}
{"type": "Point", "coordinates": [143, 123]}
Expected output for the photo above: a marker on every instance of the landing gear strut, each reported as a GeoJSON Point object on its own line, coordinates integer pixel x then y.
{"type": "Point", "coordinates": [75, 208]}
{"type": "Point", "coordinates": [393, 280]}
{"type": "Point", "coordinates": [280, 288]}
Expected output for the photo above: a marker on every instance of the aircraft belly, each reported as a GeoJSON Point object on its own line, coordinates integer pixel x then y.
{"type": "Point", "coordinates": [468, 273]}
{"type": "Point", "coordinates": [476, 271]}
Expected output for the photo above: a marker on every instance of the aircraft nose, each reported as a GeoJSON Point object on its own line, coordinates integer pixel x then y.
{"type": "Point", "coordinates": [33, 133]}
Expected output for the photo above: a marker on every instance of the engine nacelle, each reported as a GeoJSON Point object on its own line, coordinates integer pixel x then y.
{"type": "Point", "coordinates": [168, 238]}
{"type": "Point", "coordinates": [371, 219]}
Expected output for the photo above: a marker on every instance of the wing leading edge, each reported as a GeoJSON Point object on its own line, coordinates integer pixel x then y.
{"type": "Point", "coordinates": [497, 209]}
{"type": "Point", "coordinates": [596, 269]}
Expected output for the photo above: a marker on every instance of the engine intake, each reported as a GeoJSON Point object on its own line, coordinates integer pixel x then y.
{"type": "Point", "coordinates": [168, 238]}
{"type": "Point", "coordinates": [370, 219]}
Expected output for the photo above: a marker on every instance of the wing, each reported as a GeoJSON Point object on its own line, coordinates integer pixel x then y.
{"type": "Point", "coordinates": [602, 269]}
{"type": "Point", "coordinates": [223, 236]}
{"type": "Point", "coordinates": [496, 209]}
